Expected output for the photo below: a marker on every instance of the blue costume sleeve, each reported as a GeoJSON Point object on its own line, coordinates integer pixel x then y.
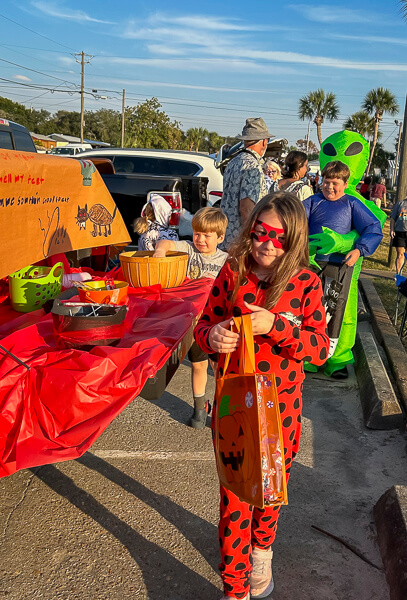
{"type": "Point", "coordinates": [368, 227]}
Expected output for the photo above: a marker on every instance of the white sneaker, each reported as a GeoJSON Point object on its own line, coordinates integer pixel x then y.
{"type": "Point", "coordinates": [261, 579]}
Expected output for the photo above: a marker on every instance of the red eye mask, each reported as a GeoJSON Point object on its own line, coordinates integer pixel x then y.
{"type": "Point", "coordinates": [277, 236]}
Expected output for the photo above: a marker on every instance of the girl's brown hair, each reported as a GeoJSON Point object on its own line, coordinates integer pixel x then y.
{"type": "Point", "coordinates": [140, 225]}
{"type": "Point", "coordinates": [293, 163]}
{"type": "Point", "coordinates": [292, 214]}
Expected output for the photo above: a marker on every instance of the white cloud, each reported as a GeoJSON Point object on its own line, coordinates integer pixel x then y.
{"type": "Point", "coordinates": [58, 10]}
{"type": "Point", "coordinates": [196, 42]}
{"type": "Point", "coordinates": [369, 38]}
{"type": "Point", "coordinates": [186, 86]}
{"type": "Point", "coordinates": [307, 59]}
{"type": "Point", "coordinates": [204, 22]}
{"type": "Point", "coordinates": [202, 64]}
{"type": "Point", "coordinates": [66, 60]}
{"type": "Point", "coordinates": [332, 13]}
{"type": "Point", "coordinates": [166, 50]}
{"type": "Point", "coordinates": [21, 78]}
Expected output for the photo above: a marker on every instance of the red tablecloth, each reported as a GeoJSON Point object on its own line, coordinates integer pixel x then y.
{"type": "Point", "coordinates": [58, 408]}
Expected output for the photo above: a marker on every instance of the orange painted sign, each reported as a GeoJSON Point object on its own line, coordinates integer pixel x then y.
{"type": "Point", "coordinates": [50, 204]}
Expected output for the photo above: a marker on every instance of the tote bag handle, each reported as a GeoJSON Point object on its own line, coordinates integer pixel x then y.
{"type": "Point", "coordinates": [243, 326]}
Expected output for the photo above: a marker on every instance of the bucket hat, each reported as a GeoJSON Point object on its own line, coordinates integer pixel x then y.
{"type": "Point", "coordinates": [255, 130]}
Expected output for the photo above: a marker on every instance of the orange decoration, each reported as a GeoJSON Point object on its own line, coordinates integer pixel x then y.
{"type": "Point", "coordinates": [50, 205]}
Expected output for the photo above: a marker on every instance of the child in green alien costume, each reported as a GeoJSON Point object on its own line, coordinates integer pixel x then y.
{"type": "Point", "coordinates": [352, 150]}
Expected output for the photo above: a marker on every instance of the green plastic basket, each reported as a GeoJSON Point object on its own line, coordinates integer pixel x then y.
{"type": "Point", "coordinates": [32, 286]}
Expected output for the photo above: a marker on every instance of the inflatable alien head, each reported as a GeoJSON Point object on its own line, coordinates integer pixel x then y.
{"type": "Point", "coordinates": [351, 149]}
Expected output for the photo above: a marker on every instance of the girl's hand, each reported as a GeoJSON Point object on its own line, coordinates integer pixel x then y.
{"type": "Point", "coordinates": [352, 257]}
{"type": "Point", "coordinates": [262, 319]}
{"type": "Point", "coordinates": [221, 339]}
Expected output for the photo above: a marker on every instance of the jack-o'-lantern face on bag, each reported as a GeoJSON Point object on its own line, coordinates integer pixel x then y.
{"type": "Point", "coordinates": [236, 447]}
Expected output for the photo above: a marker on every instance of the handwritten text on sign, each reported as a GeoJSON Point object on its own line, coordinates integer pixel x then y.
{"type": "Point", "coordinates": [50, 204]}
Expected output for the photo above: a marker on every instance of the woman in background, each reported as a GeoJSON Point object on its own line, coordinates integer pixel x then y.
{"type": "Point", "coordinates": [295, 168]}
{"type": "Point", "coordinates": [272, 172]}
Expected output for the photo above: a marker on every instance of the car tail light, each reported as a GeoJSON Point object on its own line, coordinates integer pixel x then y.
{"type": "Point", "coordinates": [175, 218]}
{"type": "Point", "coordinates": [215, 196]}
{"type": "Point", "coordinates": [175, 201]}
{"type": "Point", "coordinates": [4, 122]}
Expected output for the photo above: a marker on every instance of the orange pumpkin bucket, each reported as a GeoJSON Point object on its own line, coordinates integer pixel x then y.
{"type": "Point", "coordinates": [141, 269]}
{"type": "Point", "coordinates": [97, 293]}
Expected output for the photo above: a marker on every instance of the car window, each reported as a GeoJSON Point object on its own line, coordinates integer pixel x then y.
{"type": "Point", "coordinates": [5, 140]}
{"type": "Point", "coordinates": [23, 141]}
{"type": "Point", "coordinates": [63, 150]}
{"type": "Point", "coordinates": [155, 166]}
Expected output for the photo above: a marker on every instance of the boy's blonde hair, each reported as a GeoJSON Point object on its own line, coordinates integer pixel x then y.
{"type": "Point", "coordinates": [336, 170]}
{"type": "Point", "coordinates": [210, 219]}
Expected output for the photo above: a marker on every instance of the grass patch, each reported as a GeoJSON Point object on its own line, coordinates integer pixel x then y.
{"type": "Point", "coordinates": [387, 290]}
{"type": "Point", "coordinates": [378, 260]}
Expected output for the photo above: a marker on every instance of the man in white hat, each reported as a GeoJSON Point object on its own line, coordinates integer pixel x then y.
{"type": "Point", "coordinates": [243, 181]}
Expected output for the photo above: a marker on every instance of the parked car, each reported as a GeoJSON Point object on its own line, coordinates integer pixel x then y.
{"type": "Point", "coordinates": [15, 137]}
{"type": "Point", "coordinates": [70, 149]}
{"type": "Point", "coordinates": [167, 163]}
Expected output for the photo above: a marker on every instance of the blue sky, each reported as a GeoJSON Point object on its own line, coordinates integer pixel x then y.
{"type": "Point", "coordinates": [210, 66]}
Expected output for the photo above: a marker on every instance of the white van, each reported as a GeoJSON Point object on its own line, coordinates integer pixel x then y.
{"type": "Point", "coordinates": [70, 149]}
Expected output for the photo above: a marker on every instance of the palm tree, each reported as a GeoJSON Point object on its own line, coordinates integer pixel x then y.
{"type": "Point", "coordinates": [404, 8]}
{"type": "Point", "coordinates": [318, 106]}
{"type": "Point", "coordinates": [215, 141]}
{"type": "Point", "coordinates": [195, 137]}
{"type": "Point", "coordinates": [376, 103]}
{"type": "Point", "coordinates": [360, 122]}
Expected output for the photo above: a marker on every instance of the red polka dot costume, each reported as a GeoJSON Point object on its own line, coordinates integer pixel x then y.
{"type": "Point", "coordinates": [299, 334]}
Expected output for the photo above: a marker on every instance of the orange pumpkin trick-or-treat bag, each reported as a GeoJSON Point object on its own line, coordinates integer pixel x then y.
{"type": "Point", "coordinates": [248, 434]}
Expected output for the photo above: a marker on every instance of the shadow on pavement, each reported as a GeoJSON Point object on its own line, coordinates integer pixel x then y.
{"type": "Point", "coordinates": [202, 534]}
{"type": "Point", "coordinates": [152, 560]}
{"type": "Point", "coordinates": [178, 409]}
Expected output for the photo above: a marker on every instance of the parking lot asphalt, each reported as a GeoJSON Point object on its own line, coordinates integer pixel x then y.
{"type": "Point", "coordinates": [136, 516]}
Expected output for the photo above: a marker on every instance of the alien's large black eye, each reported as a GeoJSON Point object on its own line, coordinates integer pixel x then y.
{"type": "Point", "coordinates": [353, 149]}
{"type": "Point", "coordinates": [329, 150]}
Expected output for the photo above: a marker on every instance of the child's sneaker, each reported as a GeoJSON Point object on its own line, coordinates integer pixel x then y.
{"type": "Point", "coordinates": [261, 579]}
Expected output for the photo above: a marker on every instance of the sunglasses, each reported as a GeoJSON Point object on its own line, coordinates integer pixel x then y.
{"type": "Point", "coordinates": [261, 232]}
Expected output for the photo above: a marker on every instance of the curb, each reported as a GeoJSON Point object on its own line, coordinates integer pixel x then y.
{"type": "Point", "coordinates": [390, 514]}
{"type": "Point", "coordinates": [380, 406]}
{"type": "Point", "coordinates": [388, 338]}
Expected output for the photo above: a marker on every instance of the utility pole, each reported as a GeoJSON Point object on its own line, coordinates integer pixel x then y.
{"type": "Point", "coordinates": [309, 128]}
{"type": "Point", "coordinates": [82, 62]}
{"type": "Point", "coordinates": [123, 103]}
{"type": "Point", "coordinates": [402, 176]}
{"type": "Point", "coordinates": [393, 179]}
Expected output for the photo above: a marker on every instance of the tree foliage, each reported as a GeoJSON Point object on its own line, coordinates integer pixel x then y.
{"type": "Point", "coordinates": [362, 123]}
{"type": "Point", "coordinates": [318, 106]}
{"type": "Point", "coordinates": [377, 102]}
{"type": "Point", "coordinates": [381, 158]}
{"type": "Point", "coordinates": [302, 145]}
{"type": "Point", "coordinates": [149, 127]}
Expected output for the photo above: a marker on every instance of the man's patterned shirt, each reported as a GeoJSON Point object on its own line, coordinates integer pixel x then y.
{"type": "Point", "coordinates": [243, 178]}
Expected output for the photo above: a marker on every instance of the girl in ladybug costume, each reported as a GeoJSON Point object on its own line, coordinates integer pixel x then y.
{"type": "Point", "coordinates": [266, 276]}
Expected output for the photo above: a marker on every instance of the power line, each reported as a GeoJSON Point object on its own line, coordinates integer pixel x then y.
{"type": "Point", "coordinates": [36, 33]}
{"type": "Point", "coordinates": [39, 72]}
